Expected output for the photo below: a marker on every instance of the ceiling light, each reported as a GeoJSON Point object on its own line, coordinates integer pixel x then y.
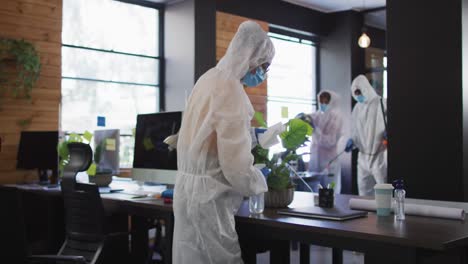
{"type": "Point", "coordinates": [364, 40]}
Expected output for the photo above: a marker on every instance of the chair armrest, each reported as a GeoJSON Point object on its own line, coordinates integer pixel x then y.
{"type": "Point", "coordinates": [56, 258]}
{"type": "Point", "coordinates": [117, 234]}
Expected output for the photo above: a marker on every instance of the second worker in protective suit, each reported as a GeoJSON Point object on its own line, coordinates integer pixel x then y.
{"type": "Point", "coordinates": [368, 135]}
{"type": "Point", "coordinates": [327, 124]}
{"type": "Point", "coordinates": [215, 165]}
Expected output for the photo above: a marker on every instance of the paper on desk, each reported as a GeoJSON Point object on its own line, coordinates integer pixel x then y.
{"type": "Point", "coordinates": [412, 209]}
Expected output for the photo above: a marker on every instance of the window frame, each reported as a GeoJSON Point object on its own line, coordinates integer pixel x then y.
{"type": "Point", "coordinates": [126, 171]}
{"type": "Point", "coordinates": [301, 36]}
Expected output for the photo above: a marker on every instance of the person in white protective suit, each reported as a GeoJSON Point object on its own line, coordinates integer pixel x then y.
{"type": "Point", "coordinates": [215, 164]}
{"type": "Point", "coordinates": [328, 124]}
{"type": "Point", "coordinates": [368, 135]}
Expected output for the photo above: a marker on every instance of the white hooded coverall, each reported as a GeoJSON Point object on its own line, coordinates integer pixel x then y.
{"type": "Point", "coordinates": [215, 165]}
{"type": "Point", "coordinates": [327, 132]}
{"type": "Point", "coordinates": [367, 133]}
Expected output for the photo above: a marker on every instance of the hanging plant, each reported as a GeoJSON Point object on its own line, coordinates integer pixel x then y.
{"type": "Point", "coordinates": [28, 67]}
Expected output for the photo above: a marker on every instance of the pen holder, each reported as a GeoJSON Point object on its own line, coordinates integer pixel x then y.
{"type": "Point", "coordinates": [326, 198]}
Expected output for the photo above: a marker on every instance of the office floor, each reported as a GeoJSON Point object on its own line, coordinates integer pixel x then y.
{"type": "Point", "coordinates": [319, 255]}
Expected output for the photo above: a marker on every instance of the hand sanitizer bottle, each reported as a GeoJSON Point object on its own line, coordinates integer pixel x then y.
{"type": "Point", "coordinates": [400, 194]}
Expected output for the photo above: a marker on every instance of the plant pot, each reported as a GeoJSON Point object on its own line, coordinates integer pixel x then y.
{"type": "Point", "coordinates": [101, 180]}
{"type": "Point", "coordinates": [279, 198]}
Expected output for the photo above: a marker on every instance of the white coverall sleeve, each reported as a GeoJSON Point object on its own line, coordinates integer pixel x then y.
{"type": "Point", "coordinates": [329, 135]}
{"type": "Point", "coordinates": [329, 138]}
{"type": "Point", "coordinates": [235, 158]}
{"type": "Point", "coordinates": [232, 113]}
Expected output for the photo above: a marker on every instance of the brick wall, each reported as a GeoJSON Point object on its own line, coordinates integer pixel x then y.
{"type": "Point", "coordinates": [226, 28]}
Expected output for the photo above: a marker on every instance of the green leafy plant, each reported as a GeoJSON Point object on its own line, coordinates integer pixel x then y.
{"type": "Point", "coordinates": [28, 66]}
{"type": "Point", "coordinates": [294, 136]}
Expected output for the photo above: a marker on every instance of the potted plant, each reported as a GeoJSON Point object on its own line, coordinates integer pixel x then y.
{"type": "Point", "coordinates": [22, 56]}
{"type": "Point", "coordinates": [280, 185]}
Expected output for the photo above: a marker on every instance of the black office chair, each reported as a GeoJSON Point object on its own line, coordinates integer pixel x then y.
{"type": "Point", "coordinates": [15, 248]}
{"type": "Point", "coordinates": [84, 214]}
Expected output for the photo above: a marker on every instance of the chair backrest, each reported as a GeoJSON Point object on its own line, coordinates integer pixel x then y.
{"type": "Point", "coordinates": [81, 157]}
{"type": "Point", "coordinates": [84, 211]}
{"type": "Point", "coordinates": [84, 219]}
{"type": "Point", "coordinates": [14, 247]}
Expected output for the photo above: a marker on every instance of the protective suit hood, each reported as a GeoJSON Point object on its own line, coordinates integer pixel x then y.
{"type": "Point", "coordinates": [334, 103]}
{"type": "Point", "coordinates": [366, 88]}
{"type": "Point", "coordinates": [250, 48]}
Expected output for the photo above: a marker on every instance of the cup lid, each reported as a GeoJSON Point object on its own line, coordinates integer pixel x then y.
{"type": "Point", "coordinates": [383, 186]}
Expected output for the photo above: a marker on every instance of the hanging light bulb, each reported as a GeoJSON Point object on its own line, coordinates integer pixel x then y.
{"type": "Point", "coordinates": [364, 40]}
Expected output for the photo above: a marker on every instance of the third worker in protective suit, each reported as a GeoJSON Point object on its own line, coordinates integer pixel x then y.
{"type": "Point", "coordinates": [368, 135]}
{"type": "Point", "coordinates": [327, 123]}
{"type": "Point", "coordinates": [215, 165]}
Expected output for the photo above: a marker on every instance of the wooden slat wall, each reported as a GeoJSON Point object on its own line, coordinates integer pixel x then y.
{"type": "Point", "coordinates": [226, 28]}
{"type": "Point", "coordinates": [39, 22]}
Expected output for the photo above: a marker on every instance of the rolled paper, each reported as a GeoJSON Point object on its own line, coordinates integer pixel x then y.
{"type": "Point", "coordinates": [412, 209]}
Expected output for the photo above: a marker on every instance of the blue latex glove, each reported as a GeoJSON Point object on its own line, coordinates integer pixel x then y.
{"type": "Point", "coordinates": [300, 116]}
{"type": "Point", "coordinates": [259, 131]}
{"type": "Point", "coordinates": [266, 171]}
{"type": "Point", "coordinates": [349, 145]}
{"type": "Point", "coordinates": [305, 118]}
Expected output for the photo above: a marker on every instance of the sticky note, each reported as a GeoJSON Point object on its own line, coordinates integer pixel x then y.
{"type": "Point", "coordinates": [92, 169]}
{"type": "Point", "coordinates": [284, 112]}
{"type": "Point", "coordinates": [148, 144]}
{"type": "Point", "coordinates": [110, 144]}
{"type": "Point", "coordinates": [101, 121]}
{"type": "Point", "coordinates": [88, 135]}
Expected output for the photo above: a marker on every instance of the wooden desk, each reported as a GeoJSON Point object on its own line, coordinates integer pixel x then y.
{"type": "Point", "coordinates": [140, 210]}
{"type": "Point", "coordinates": [382, 239]}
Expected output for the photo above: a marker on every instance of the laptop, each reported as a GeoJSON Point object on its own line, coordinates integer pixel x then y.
{"type": "Point", "coordinates": [336, 213]}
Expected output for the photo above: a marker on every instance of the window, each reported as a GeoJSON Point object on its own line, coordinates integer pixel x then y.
{"type": "Point", "coordinates": [292, 81]}
{"type": "Point", "coordinates": [376, 70]}
{"type": "Point", "coordinates": [110, 67]}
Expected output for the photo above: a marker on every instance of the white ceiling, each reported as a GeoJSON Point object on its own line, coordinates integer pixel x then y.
{"type": "Point", "coordinates": [330, 6]}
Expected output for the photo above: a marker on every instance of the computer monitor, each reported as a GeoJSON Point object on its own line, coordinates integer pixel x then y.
{"type": "Point", "coordinates": [153, 161]}
{"type": "Point", "coordinates": [107, 146]}
{"type": "Point", "coordinates": [38, 150]}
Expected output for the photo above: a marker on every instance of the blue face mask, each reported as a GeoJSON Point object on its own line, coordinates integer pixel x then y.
{"type": "Point", "coordinates": [361, 98]}
{"type": "Point", "coordinates": [323, 107]}
{"type": "Point", "coordinates": [252, 80]}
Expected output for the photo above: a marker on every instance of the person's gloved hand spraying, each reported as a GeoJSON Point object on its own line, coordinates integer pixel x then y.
{"type": "Point", "coordinates": [306, 118]}
{"type": "Point", "coordinates": [349, 145]}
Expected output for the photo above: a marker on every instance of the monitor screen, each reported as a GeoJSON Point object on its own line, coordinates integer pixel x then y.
{"type": "Point", "coordinates": [150, 150]}
{"type": "Point", "coordinates": [38, 150]}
